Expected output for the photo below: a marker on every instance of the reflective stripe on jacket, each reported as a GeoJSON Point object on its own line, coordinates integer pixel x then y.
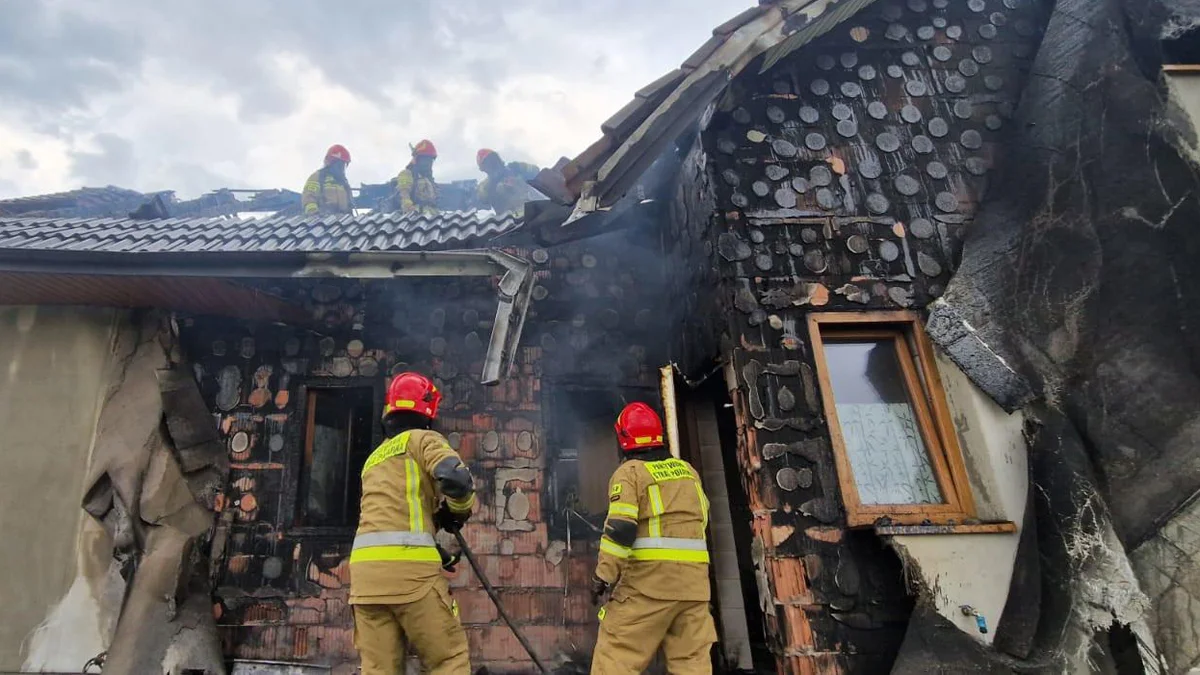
{"type": "Point", "coordinates": [395, 559]}
{"type": "Point", "coordinates": [669, 558]}
{"type": "Point", "coordinates": [328, 196]}
{"type": "Point", "coordinates": [415, 193]}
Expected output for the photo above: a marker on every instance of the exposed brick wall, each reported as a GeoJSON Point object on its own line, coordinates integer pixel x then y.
{"type": "Point", "coordinates": [282, 592]}
{"type": "Point", "coordinates": [845, 178]}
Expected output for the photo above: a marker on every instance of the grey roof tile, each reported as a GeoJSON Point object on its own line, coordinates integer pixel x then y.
{"type": "Point", "coordinates": [370, 232]}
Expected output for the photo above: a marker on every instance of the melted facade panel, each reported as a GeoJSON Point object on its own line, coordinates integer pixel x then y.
{"type": "Point", "coordinates": [847, 179]}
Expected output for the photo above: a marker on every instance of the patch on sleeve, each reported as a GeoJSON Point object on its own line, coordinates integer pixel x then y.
{"type": "Point", "coordinates": [615, 493]}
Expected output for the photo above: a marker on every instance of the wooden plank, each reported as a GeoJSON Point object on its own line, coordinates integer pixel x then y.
{"type": "Point", "coordinates": [929, 433]}
{"type": "Point", "coordinates": [944, 420]}
{"type": "Point", "coordinates": [306, 470]}
{"type": "Point", "coordinates": [875, 316]}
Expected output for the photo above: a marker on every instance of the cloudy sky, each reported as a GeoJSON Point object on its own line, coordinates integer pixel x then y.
{"type": "Point", "coordinates": [191, 96]}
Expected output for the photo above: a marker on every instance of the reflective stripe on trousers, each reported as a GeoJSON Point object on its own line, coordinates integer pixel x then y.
{"type": "Point", "coordinates": [676, 549]}
{"type": "Point", "coordinates": [393, 546]}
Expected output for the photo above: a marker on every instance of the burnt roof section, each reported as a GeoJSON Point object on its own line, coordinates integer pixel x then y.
{"type": "Point", "coordinates": [86, 201]}
{"type": "Point", "coordinates": [321, 234]}
{"type": "Point", "coordinates": [112, 201]}
{"type": "Point", "coordinates": [637, 134]}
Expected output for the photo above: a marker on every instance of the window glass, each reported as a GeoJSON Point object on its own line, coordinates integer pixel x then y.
{"type": "Point", "coordinates": [887, 454]}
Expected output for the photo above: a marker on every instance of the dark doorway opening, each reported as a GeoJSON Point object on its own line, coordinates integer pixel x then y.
{"type": "Point", "coordinates": [708, 440]}
{"type": "Point", "coordinates": [339, 435]}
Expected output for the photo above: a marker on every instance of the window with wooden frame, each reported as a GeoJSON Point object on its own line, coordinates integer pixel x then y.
{"type": "Point", "coordinates": [339, 434]}
{"type": "Point", "coordinates": [896, 449]}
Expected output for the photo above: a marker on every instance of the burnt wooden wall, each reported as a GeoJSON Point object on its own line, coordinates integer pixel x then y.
{"type": "Point", "coordinates": [845, 178]}
{"type": "Point", "coordinates": [281, 590]}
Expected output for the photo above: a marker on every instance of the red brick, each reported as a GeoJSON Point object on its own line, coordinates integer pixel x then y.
{"type": "Point", "coordinates": [517, 424]}
{"type": "Point", "coordinates": [582, 567]}
{"type": "Point", "coordinates": [475, 606]}
{"type": "Point", "coordinates": [534, 606]}
{"type": "Point", "coordinates": [510, 572]}
{"type": "Point", "coordinates": [238, 564]}
{"type": "Point", "coordinates": [300, 644]}
{"type": "Point", "coordinates": [580, 609]}
{"type": "Point", "coordinates": [798, 633]}
{"type": "Point", "coordinates": [331, 579]}
{"type": "Point", "coordinates": [483, 538]}
{"type": "Point", "coordinates": [521, 571]}
{"type": "Point", "coordinates": [468, 448]}
{"type": "Point", "coordinates": [263, 613]}
{"type": "Point", "coordinates": [338, 612]}
{"type": "Point", "coordinates": [497, 643]}
{"type": "Point", "coordinates": [342, 571]}
{"type": "Point", "coordinates": [527, 543]}
{"type": "Point", "coordinates": [789, 581]}
{"type": "Point", "coordinates": [302, 616]}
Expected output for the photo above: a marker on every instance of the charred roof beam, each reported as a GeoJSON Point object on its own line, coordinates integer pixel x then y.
{"type": "Point", "coordinates": [514, 289]}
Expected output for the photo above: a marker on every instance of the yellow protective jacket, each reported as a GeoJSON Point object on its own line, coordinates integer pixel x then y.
{"type": "Point", "coordinates": [668, 559]}
{"type": "Point", "coordinates": [323, 193]}
{"type": "Point", "coordinates": [510, 192]}
{"type": "Point", "coordinates": [395, 559]}
{"type": "Point", "coordinates": [415, 193]}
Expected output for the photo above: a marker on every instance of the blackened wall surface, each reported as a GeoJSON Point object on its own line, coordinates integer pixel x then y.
{"type": "Point", "coordinates": [689, 241]}
{"type": "Point", "coordinates": [282, 587]}
{"type": "Point", "coordinates": [846, 178]}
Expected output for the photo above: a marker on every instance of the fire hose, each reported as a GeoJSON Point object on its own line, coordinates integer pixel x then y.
{"type": "Point", "coordinates": [487, 586]}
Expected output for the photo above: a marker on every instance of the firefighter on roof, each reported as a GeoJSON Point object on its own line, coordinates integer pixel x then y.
{"type": "Point", "coordinates": [505, 189]}
{"type": "Point", "coordinates": [412, 483]}
{"type": "Point", "coordinates": [326, 190]}
{"type": "Point", "coordinates": [415, 190]}
{"type": "Point", "coordinates": [654, 557]}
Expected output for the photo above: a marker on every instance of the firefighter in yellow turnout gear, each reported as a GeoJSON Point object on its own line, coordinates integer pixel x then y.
{"type": "Point", "coordinates": [654, 556]}
{"type": "Point", "coordinates": [326, 190]}
{"type": "Point", "coordinates": [504, 190]}
{"type": "Point", "coordinates": [397, 588]}
{"type": "Point", "coordinates": [414, 190]}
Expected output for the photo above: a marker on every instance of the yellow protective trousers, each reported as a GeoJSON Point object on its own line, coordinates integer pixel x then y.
{"type": "Point", "coordinates": [633, 627]}
{"type": "Point", "coordinates": [430, 624]}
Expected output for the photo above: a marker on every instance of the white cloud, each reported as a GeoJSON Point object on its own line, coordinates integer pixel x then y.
{"type": "Point", "coordinates": [236, 94]}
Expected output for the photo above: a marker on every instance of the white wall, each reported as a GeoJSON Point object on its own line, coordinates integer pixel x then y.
{"type": "Point", "coordinates": [1185, 90]}
{"type": "Point", "coordinates": [975, 569]}
{"type": "Point", "coordinates": [54, 365]}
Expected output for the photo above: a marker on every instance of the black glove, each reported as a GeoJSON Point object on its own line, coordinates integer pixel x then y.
{"type": "Point", "coordinates": [448, 560]}
{"type": "Point", "coordinates": [445, 519]}
{"type": "Point", "coordinates": [599, 588]}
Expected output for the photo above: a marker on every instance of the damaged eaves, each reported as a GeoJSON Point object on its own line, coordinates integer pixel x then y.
{"type": "Point", "coordinates": [157, 280]}
{"type": "Point", "coordinates": [605, 171]}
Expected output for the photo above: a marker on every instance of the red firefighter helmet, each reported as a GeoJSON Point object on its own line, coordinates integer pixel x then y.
{"type": "Point", "coordinates": [481, 157]}
{"type": "Point", "coordinates": [412, 392]}
{"type": "Point", "coordinates": [424, 149]}
{"type": "Point", "coordinates": [337, 152]}
{"type": "Point", "coordinates": [638, 427]}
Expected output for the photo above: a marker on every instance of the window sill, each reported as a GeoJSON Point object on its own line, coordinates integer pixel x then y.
{"type": "Point", "coordinates": [978, 528]}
